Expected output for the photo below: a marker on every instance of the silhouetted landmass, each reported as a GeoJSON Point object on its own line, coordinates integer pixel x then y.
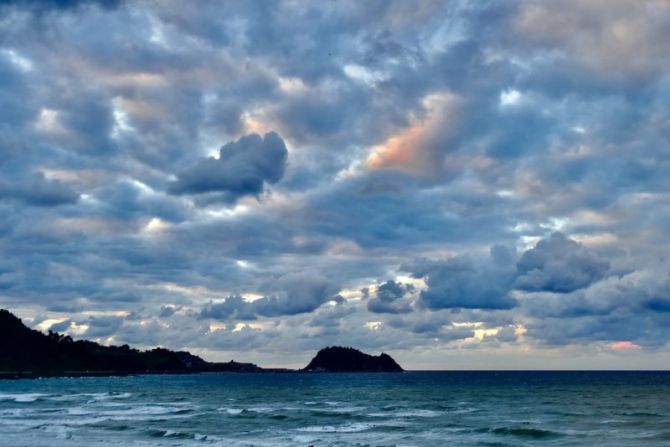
{"type": "Point", "coordinates": [339, 359]}
{"type": "Point", "coordinates": [26, 352]}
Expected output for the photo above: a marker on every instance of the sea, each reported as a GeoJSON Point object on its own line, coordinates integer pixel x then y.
{"type": "Point", "coordinates": [321, 409]}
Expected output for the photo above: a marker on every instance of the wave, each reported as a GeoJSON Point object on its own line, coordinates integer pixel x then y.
{"type": "Point", "coordinates": [22, 397]}
{"type": "Point", "coordinates": [643, 414]}
{"type": "Point", "coordinates": [527, 433]}
{"type": "Point", "coordinates": [143, 410]}
{"type": "Point", "coordinates": [180, 435]}
{"type": "Point", "coordinates": [354, 427]}
{"type": "Point", "coordinates": [409, 413]}
{"type": "Point", "coordinates": [33, 397]}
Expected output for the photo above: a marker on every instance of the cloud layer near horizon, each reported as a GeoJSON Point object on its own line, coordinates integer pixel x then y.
{"type": "Point", "coordinates": [477, 181]}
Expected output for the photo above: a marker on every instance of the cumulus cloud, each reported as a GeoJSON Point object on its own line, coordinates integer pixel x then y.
{"type": "Point", "coordinates": [389, 298]}
{"type": "Point", "coordinates": [558, 264]}
{"type": "Point", "coordinates": [466, 283]}
{"type": "Point", "coordinates": [243, 167]}
{"type": "Point", "coordinates": [290, 295]}
{"type": "Point", "coordinates": [603, 311]}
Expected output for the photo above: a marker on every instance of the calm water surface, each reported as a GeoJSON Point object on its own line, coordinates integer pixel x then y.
{"type": "Point", "coordinates": [404, 409]}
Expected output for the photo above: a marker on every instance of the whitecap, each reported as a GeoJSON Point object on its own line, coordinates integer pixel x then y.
{"type": "Point", "coordinates": [22, 397]}
{"type": "Point", "coordinates": [261, 409]}
{"type": "Point", "coordinates": [353, 427]}
{"type": "Point", "coordinates": [417, 413]}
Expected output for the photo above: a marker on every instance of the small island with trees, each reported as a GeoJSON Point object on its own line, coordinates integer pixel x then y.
{"type": "Point", "coordinates": [339, 359]}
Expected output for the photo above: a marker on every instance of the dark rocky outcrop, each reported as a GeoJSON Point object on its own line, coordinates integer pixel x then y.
{"type": "Point", "coordinates": [339, 359]}
{"type": "Point", "coordinates": [26, 352]}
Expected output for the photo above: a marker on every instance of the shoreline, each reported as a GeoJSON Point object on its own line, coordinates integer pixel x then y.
{"type": "Point", "coordinates": [27, 375]}
{"type": "Point", "coordinates": [17, 375]}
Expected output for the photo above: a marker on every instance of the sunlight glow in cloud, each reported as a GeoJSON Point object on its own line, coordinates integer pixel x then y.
{"type": "Point", "coordinates": [624, 346]}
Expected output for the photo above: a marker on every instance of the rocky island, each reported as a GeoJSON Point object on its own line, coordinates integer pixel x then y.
{"type": "Point", "coordinates": [340, 359]}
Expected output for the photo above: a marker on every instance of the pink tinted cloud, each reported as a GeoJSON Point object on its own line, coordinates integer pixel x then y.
{"type": "Point", "coordinates": [624, 346]}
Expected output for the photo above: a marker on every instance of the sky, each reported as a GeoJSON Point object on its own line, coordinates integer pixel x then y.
{"type": "Point", "coordinates": [461, 184]}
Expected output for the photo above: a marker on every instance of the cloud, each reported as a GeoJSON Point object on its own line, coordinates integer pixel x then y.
{"type": "Point", "coordinates": [463, 282]}
{"type": "Point", "coordinates": [420, 148]}
{"type": "Point", "coordinates": [603, 311]}
{"type": "Point", "coordinates": [168, 311]}
{"type": "Point", "coordinates": [42, 5]}
{"type": "Point", "coordinates": [624, 346]}
{"type": "Point", "coordinates": [555, 264]}
{"type": "Point", "coordinates": [36, 190]}
{"type": "Point", "coordinates": [599, 34]}
{"type": "Point", "coordinates": [558, 264]}
{"type": "Point", "coordinates": [60, 327]}
{"type": "Point", "coordinates": [243, 167]}
{"type": "Point", "coordinates": [290, 295]}
{"type": "Point", "coordinates": [102, 327]}
{"type": "Point", "coordinates": [389, 298]}
{"type": "Point", "coordinates": [233, 307]}
{"type": "Point", "coordinates": [416, 132]}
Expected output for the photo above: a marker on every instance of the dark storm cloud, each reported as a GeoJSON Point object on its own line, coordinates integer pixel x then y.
{"type": "Point", "coordinates": [243, 167]}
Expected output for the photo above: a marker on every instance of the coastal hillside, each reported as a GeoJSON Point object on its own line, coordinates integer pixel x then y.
{"type": "Point", "coordinates": [25, 351]}
{"type": "Point", "coordinates": [340, 359]}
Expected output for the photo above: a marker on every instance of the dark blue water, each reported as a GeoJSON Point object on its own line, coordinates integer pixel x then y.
{"type": "Point", "coordinates": [405, 409]}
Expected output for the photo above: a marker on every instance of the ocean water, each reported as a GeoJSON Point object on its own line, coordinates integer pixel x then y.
{"type": "Point", "coordinates": [294, 409]}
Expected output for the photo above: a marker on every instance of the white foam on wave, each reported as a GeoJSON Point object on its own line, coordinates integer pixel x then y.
{"type": "Point", "coordinates": [408, 413]}
{"type": "Point", "coordinates": [236, 411]}
{"type": "Point", "coordinates": [353, 427]}
{"type": "Point", "coordinates": [90, 397]}
{"type": "Point", "coordinates": [465, 410]}
{"type": "Point", "coordinates": [21, 397]}
{"type": "Point", "coordinates": [261, 409]}
{"type": "Point", "coordinates": [88, 415]}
